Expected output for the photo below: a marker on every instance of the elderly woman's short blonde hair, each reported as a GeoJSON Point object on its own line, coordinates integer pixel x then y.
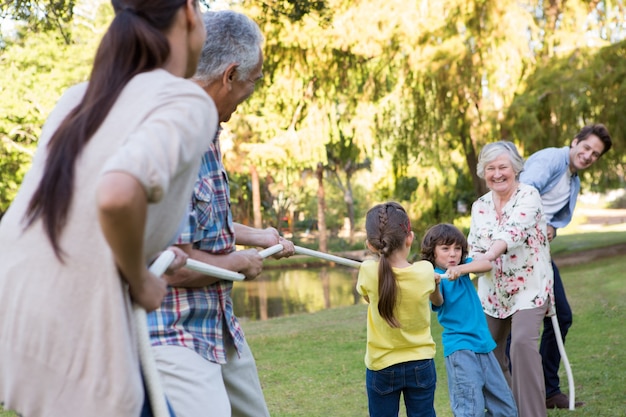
{"type": "Point", "coordinates": [493, 150]}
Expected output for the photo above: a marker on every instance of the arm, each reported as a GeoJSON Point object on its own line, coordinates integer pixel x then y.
{"type": "Point", "coordinates": [250, 236]}
{"type": "Point", "coordinates": [497, 249]}
{"type": "Point", "coordinates": [122, 210]}
{"type": "Point", "coordinates": [483, 223]}
{"type": "Point", "coordinates": [436, 298]}
{"type": "Point", "coordinates": [474, 267]}
{"type": "Point", "coordinates": [541, 167]}
{"type": "Point", "coordinates": [247, 262]}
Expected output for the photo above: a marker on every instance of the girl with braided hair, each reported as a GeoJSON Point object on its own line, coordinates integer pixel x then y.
{"type": "Point", "coordinates": [400, 348]}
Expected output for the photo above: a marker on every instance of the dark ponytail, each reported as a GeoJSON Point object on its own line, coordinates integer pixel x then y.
{"type": "Point", "coordinates": [134, 43]}
{"type": "Point", "coordinates": [387, 226]}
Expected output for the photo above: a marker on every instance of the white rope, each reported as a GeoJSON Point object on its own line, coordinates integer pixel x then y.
{"type": "Point", "coordinates": [214, 271]}
{"type": "Point", "coordinates": [272, 250]}
{"type": "Point", "coordinates": [225, 274]}
{"type": "Point", "coordinates": [568, 368]}
{"type": "Point", "coordinates": [156, 394]}
{"type": "Point", "coordinates": [327, 257]}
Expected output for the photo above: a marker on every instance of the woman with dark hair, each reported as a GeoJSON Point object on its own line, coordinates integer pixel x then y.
{"type": "Point", "coordinates": [108, 190]}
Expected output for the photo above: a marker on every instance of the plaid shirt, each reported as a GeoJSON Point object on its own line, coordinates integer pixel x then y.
{"type": "Point", "coordinates": [202, 319]}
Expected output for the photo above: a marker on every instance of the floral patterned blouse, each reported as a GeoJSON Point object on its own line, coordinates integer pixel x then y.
{"type": "Point", "coordinates": [522, 278]}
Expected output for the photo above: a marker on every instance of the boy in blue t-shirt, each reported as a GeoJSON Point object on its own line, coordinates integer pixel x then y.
{"type": "Point", "coordinates": [476, 384]}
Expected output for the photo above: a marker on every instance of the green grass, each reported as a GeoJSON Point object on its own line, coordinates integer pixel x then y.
{"type": "Point", "coordinates": [577, 239]}
{"type": "Point", "coordinates": [311, 365]}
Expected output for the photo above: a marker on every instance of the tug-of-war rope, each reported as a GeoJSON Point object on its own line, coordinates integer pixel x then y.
{"type": "Point", "coordinates": [156, 394]}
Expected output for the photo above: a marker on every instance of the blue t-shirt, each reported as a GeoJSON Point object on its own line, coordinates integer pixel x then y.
{"type": "Point", "coordinates": [461, 316]}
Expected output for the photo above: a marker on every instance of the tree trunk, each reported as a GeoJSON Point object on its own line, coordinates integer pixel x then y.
{"type": "Point", "coordinates": [471, 158]}
{"type": "Point", "coordinates": [321, 209]}
{"type": "Point", "coordinates": [256, 197]}
{"type": "Point", "coordinates": [350, 206]}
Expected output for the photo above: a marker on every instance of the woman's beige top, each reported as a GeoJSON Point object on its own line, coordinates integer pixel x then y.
{"type": "Point", "coordinates": [67, 343]}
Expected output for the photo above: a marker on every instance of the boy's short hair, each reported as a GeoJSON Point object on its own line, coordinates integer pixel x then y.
{"type": "Point", "coordinates": [442, 234]}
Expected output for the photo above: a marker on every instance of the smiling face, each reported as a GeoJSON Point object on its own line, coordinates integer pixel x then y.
{"type": "Point", "coordinates": [447, 256]}
{"type": "Point", "coordinates": [583, 153]}
{"type": "Point", "coordinates": [500, 175]}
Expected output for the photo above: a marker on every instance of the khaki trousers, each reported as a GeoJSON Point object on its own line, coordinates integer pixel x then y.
{"type": "Point", "coordinates": [526, 375]}
{"type": "Point", "coordinates": [196, 387]}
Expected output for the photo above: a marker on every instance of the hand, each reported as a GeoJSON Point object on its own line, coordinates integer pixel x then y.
{"type": "Point", "coordinates": [551, 233]}
{"type": "Point", "coordinates": [179, 261]}
{"type": "Point", "coordinates": [253, 262]}
{"type": "Point", "coordinates": [453, 273]}
{"type": "Point", "coordinates": [275, 238]}
{"type": "Point", "coordinates": [437, 278]}
{"type": "Point", "coordinates": [149, 292]}
{"type": "Point", "coordinates": [288, 248]}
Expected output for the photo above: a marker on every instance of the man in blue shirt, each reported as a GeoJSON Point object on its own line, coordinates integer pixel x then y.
{"type": "Point", "coordinates": [554, 173]}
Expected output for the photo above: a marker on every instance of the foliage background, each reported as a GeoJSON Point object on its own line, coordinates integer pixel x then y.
{"type": "Point", "coordinates": [394, 98]}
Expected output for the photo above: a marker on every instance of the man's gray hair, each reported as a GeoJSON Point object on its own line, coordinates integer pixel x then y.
{"type": "Point", "coordinates": [493, 150]}
{"type": "Point", "coordinates": [232, 38]}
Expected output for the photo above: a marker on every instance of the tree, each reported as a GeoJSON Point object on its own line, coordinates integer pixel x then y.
{"type": "Point", "coordinates": [564, 94]}
{"type": "Point", "coordinates": [344, 160]}
{"type": "Point", "coordinates": [35, 70]}
{"type": "Point", "coordinates": [321, 208]}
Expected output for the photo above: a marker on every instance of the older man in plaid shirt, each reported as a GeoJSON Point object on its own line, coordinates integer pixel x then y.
{"type": "Point", "coordinates": [203, 359]}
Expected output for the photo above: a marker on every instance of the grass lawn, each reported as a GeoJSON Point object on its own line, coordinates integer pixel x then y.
{"type": "Point", "coordinates": [311, 365]}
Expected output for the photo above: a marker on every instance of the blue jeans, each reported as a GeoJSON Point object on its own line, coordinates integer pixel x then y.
{"type": "Point", "coordinates": [416, 380]}
{"type": "Point", "coordinates": [477, 386]}
{"type": "Point", "coordinates": [549, 349]}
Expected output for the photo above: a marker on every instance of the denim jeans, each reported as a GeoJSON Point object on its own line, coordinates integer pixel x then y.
{"type": "Point", "coordinates": [477, 386]}
{"type": "Point", "coordinates": [416, 380]}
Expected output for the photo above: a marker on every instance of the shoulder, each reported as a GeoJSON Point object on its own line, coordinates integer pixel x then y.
{"type": "Point", "coordinates": [482, 201]}
{"type": "Point", "coordinates": [526, 190]}
{"type": "Point", "coordinates": [75, 92]}
{"type": "Point", "coordinates": [369, 265]}
{"type": "Point", "coordinates": [548, 153]}
{"type": "Point", "coordinates": [167, 86]}
{"type": "Point", "coordinates": [423, 267]}
{"type": "Point", "coordinates": [548, 159]}
{"type": "Point", "coordinates": [71, 98]}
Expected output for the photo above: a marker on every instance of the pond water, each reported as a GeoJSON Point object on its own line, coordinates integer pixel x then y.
{"type": "Point", "coordinates": [280, 292]}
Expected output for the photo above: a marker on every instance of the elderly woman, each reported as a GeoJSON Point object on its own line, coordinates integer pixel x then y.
{"type": "Point", "coordinates": [508, 228]}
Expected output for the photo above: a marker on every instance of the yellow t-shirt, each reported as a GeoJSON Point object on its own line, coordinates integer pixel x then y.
{"type": "Point", "coordinates": [412, 341]}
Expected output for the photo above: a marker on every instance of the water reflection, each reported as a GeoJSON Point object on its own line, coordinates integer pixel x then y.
{"type": "Point", "coordinates": [282, 292]}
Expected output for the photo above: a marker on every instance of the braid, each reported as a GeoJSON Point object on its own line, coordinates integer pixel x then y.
{"type": "Point", "coordinates": [383, 218]}
{"type": "Point", "coordinates": [387, 226]}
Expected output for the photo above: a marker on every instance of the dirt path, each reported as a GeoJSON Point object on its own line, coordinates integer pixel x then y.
{"type": "Point", "coordinates": [589, 255]}
{"type": "Point", "coordinates": [595, 218]}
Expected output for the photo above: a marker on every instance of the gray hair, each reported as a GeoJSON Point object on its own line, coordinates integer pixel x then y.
{"type": "Point", "coordinates": [493, 150]}
{"type": "Point", "coordinates": [232, 38]}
